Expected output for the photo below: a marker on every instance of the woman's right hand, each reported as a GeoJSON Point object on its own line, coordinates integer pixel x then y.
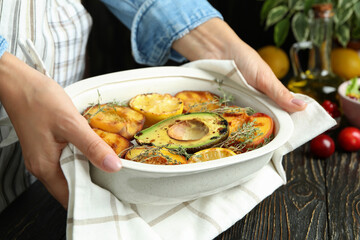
{"type": "Point", "coordinates": [215, 39]}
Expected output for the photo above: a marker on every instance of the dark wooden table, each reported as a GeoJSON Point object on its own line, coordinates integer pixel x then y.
{"type": "Point", "coordinates": [321, 200]}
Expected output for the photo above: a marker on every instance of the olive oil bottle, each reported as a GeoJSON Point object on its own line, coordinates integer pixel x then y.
{"type": "Point", "coordinates": [318, 81]}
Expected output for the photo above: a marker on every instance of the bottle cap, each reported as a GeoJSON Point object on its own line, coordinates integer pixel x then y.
{"type": "Point", "coordinates": [323, 10]}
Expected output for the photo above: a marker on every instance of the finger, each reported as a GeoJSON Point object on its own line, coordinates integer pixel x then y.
{"type": "Point", "coordinates": [51, 175]}
{"type": "Point", "coordinates": [94, 148]}
{"type": "Point", "coordinates": [280, 94]}
{"type": "Point", "coordinates": [57, 186]}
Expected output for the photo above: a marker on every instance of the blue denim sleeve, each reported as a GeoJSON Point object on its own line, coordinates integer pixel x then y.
{"type": "Point", "coordinates": [156, 24]}
{"type": "Point", "coordinates": [3, 45]}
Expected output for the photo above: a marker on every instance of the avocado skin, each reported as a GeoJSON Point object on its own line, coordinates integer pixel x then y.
{"type": "Point", "coordinates": [157, 134]}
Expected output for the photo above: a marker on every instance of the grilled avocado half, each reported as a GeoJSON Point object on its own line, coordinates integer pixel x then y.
{"type": "Point", "coordinates": [192, 131]}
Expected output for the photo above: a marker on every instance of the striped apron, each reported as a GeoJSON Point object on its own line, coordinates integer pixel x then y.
{"type": "Point", "coordinates": [56, 33]}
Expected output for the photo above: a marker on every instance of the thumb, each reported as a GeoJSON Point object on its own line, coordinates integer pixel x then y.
{"type": "Point", "coordinates": [94, 148]}
{"type": "Point", "coordinates": [281, 95]}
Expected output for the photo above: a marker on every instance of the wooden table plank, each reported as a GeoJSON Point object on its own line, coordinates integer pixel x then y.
{"type": "Point", "coordinates": [343, 196]}
{"type": "Point", "coordinates": [295, 211]}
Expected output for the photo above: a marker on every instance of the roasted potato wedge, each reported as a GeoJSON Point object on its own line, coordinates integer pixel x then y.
{"type": "Point", "coordinates": [117, 142]}
{"type": "Point", "coordinates": [115, 119]}
{"type": "Point", "coordinates": [153, 155]}
{"type": "Point", "coordinates": [156, 107]}
{"type": "Point", "coordinates": [198, 101]}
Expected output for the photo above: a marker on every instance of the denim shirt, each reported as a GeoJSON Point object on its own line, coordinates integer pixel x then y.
{"type": "Point", "coordinates": [156, 24]}
{"type": "Point", "coordinates": [3, 45]}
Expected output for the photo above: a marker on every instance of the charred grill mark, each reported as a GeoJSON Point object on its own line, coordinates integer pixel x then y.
{"type": "Point", "coordinates": [232, 114]}
{"type": "Point", "coordinates": [222, 130]}
{"type": "Point", "coordinates": [224, 122]}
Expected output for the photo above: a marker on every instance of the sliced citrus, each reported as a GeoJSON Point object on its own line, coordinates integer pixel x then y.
{"type": "Point", "coordinates": [210, 154]}
{"type": "Point", "coordinates": [154, 155]}
{"type": "Point", "coordinates": [156, 107]}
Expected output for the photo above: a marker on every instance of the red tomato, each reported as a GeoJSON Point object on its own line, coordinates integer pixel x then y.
{"type": "Point", "coordinates": [349, 139]}
{"type": "Point", "coordinates": [322, 146]}
{"type": "Point", "coordinates": [331, 108]}
{"type": "Point", "coordinates": [328, 106]}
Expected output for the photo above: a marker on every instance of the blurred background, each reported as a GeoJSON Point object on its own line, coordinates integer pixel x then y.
{"type": "Point", "coordinates": [109, 47]}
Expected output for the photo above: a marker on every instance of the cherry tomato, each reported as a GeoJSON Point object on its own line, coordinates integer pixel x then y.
{"type": "Point", "coordinates": [328, 106]}
{"type": "Point", "coordinates": [349, 139]}
{"type": "Point", "coordinates": [336, 113]}
{"type": "Point", "coordinates": [331, 108]}
{"type": "Point", "coordinates": [322, 146]}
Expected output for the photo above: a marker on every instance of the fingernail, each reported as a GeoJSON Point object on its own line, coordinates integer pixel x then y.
{"type": "Point", "coordinates": [112, 163]}
{"type": "Point", "coordinates": [298, 102]}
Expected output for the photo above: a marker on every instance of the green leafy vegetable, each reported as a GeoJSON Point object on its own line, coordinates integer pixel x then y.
{"type": "Point", "coordinates": [352, 89]}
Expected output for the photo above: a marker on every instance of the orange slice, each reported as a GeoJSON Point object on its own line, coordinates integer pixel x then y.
{"type": "Point", "coordinates": [210, 154]}
{"type": "Point", "coordinates": [156, 107]}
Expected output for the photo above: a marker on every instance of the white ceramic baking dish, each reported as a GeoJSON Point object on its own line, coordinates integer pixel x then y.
{"type": "Point", "coordinates": [155, 184]}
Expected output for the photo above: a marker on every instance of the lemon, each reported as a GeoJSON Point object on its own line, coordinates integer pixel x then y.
{"type": "Point", "coordinates": [276, 58]}
{"type": "Point", "coordinates": [156, 107]}
{"type": "Point", "coordinates": [345, 62]}
{"type": "Point", "coordinates": [210, 154]}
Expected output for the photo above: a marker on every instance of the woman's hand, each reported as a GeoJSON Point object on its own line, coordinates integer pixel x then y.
{"type": "Point", "coordinates": [45, 120]}
{"type": "Point", "coordinates": [214, 39]}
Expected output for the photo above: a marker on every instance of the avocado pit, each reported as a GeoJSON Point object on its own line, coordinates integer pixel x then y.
{"type": "Point", "coordinates": [188, 130]}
